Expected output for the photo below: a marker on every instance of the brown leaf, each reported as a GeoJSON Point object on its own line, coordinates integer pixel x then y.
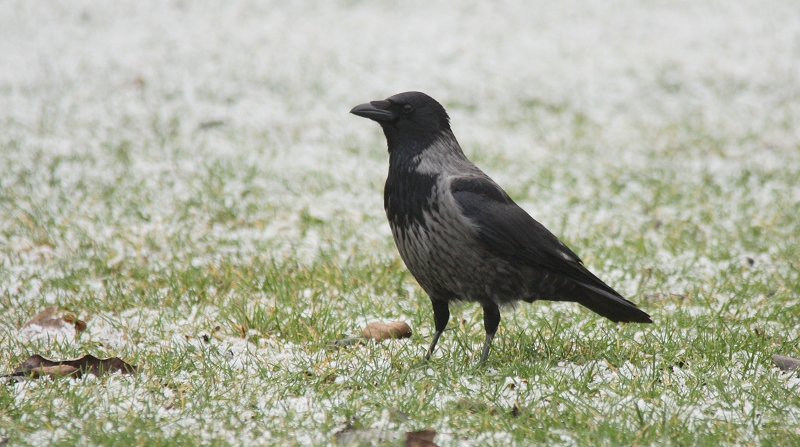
{"type": "Point", "coordinates": [54, 317]}
{"type": "Point", "coordinates": [785, 363]}
{"type": "Point", "coordinates": [379, 331]}
{"type": "Point", "coordinates": [422, 438]}
{"type": "Point", "coordinates": [369, 436]}
{"type": "Point", "coordinates": [53, 371]}
{"type": "Point", "coordinates": [38, 366]}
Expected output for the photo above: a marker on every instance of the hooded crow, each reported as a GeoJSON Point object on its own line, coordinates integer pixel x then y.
{"type": "Point", "coordinates": [461, 235]}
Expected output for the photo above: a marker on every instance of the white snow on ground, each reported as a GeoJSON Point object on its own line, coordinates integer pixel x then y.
{"type": "Point", "coordinates": [147, 100]}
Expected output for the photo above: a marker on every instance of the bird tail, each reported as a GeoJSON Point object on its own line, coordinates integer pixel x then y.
{"type": "Point", "coordinates": [610, 305]}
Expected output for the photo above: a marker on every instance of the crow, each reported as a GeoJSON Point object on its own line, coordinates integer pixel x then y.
{"type": "Point", "coordinates": [461, 235]}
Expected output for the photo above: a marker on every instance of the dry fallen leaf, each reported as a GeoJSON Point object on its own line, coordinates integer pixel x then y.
{"type": "Point", "coordinates": [53, 371]}
{"type": "Point", "coordinates": [370, 436]}
{"type": "Point", "coordinates": [379, 331]}
{"type": "Point", "coordinates": [422, 438]}
{"type": "Point", "coordinates": [54, 317]}
{"type": "Point", "coordinates": [38, 366]}
{"type": "Point", "coordinates": [785, 363]}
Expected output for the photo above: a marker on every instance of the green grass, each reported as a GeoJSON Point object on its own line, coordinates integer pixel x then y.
{"type": "Point", "coordinates": [226, 281]}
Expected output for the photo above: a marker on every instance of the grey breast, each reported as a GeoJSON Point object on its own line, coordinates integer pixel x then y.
{"type": "Point", "coordinates": [447, 258]}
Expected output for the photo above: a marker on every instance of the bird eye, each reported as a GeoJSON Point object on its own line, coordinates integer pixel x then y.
{"type": "Point", "coordinates": [407, 108]}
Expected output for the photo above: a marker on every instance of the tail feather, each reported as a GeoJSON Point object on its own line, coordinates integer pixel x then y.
{"type": "Point", "coordinates": [584, 288]}
{"type": "Point", "coordinates": [614, 307]}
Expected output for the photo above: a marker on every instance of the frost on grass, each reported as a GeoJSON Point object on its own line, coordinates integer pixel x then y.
{"type": "Point", "coordinates": [187, 177]}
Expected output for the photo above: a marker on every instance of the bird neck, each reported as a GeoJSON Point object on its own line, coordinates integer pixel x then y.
{"type": "Point", "coordinates": [443, 156]}
{"type": "Point", "coordinates": [409, 151]}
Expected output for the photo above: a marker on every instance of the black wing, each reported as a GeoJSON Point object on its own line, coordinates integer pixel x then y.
{"type": "Point", "coordinates": [508, 231]}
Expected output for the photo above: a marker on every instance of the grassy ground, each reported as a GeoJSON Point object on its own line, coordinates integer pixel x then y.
{"type": "Point", "coordinates": [219, 223]}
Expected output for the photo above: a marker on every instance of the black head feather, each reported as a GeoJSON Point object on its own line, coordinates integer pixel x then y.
{"type": "Point", "coordinates": [410, 120]}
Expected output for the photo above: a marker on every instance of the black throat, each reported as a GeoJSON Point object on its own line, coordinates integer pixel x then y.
{"type": "Point", "coordinates": [409, 194]}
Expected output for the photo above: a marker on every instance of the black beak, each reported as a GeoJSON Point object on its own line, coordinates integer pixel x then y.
{"type": "Point", "coordinates": [375, 110]}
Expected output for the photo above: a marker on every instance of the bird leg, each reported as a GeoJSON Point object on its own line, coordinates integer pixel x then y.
{"type": "Point", "coordinates": [441, 315]}
{"type": "Point", "coordinates": [491, 320]}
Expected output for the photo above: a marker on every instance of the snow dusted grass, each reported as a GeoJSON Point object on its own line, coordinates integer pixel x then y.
{"type": "Point", "coordinates": [185, 177]}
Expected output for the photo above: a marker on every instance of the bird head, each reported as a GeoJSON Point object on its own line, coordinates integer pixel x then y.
{"type": "Point", "coordinates": [408, 119]}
